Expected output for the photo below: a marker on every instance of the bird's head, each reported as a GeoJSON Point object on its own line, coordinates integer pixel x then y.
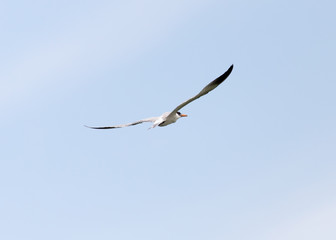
{"type": "Point", "coordinates": [181, 115]}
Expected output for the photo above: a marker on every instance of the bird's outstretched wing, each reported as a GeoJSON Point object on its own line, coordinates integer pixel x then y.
{"type": "Point", "coordinates": [153, 119]}
{"type": "Point", "coordinates": [211, 86]}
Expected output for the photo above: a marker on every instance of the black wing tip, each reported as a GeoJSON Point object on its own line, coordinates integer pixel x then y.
{"type": "Point", "coordinates": [230, 69]}
{"type": "Point", "coordinates": [98, 127]}
{"type": "Point", "coordinates": [228, 72]}
{"type": "Point", "coordinates": [224, 76]}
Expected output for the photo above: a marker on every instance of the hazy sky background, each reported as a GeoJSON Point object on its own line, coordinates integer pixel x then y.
{"type": "Point", "coordinates": [254, 160]}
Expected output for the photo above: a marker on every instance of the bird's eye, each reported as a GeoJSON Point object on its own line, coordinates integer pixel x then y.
{"type": "Point", "coordinates": [178, 113]}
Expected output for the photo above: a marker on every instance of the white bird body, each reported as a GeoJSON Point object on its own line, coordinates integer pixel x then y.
{"type": "Point", "coordinates": [165, 119]}
{"type": "Point", "coordinates": [171, 117]}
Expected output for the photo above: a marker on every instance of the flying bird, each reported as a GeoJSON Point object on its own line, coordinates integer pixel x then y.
{"type": "Point", "coordinates": [171, 117]}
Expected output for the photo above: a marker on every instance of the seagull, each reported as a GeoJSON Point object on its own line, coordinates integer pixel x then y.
{"type": "Point", "coordinates": [171, 117]}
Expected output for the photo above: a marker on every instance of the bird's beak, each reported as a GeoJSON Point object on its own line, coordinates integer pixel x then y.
{"type": "Point", "coordinates": [184, 115]}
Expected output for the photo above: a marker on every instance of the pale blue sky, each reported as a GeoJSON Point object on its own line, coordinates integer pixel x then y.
{"type": "Point", "coordinates": [254, 160]}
